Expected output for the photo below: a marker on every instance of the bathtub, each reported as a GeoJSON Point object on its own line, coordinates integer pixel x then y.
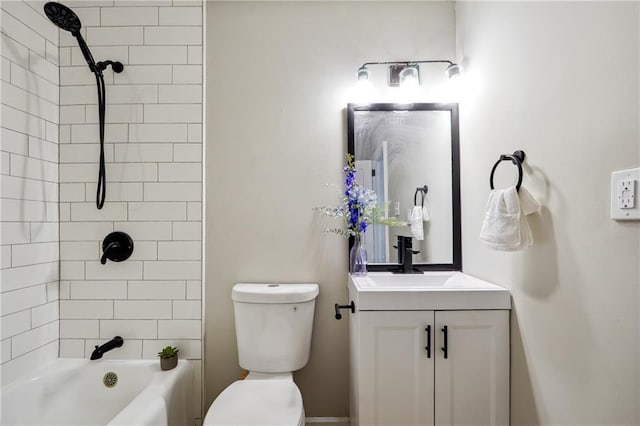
{"type": "Point", "coordinates": [73, 392]}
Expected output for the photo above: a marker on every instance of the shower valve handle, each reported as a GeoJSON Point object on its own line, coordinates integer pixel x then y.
{"type": "Point", "coordinates": [117, 247]}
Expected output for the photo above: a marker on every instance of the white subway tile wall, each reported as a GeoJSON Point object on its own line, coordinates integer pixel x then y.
{"type": "Point", "coordinates": [153, 151]}
{"type": "Point", "coordinates": [56, 296]}
{"type": "Point", "coordinates": [29, 265]}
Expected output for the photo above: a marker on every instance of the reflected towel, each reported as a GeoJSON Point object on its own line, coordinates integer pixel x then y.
{"type": "Point", "coordinates": [505, 225]}
{"type": "Point", "coordinates": [415, 222]}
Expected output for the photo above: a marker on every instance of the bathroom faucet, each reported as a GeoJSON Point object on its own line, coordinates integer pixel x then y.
{"type": "Point", "coordinates": [116, 342]}
{"type": "Point", "coordinates": [405, 256]}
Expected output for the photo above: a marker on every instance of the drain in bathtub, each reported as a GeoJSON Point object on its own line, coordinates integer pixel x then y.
{"type": "Point", "coordinates": [110, 379]}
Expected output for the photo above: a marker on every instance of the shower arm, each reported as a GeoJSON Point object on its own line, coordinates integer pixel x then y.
{"type": "Point", "coordinates": [96, 68]}
{"type": "Point", "coordinates": [116, 66]}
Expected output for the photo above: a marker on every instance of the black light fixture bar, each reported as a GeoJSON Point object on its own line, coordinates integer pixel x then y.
{"type": "Point", "coordinates": [396, 68]}
{"type": "Point", "coordinates": [444, 61]}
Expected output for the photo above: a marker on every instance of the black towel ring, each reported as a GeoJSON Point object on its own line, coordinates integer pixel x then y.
{"type": "Point", "coordinates": [516, 158]}
{"type": "Point", "coordinates": [422, 190]}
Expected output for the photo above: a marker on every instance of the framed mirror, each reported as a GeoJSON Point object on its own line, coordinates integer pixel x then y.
{"type": "Point", "coordinates": [409, 155]}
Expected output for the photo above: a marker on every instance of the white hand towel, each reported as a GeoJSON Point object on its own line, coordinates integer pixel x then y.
{"type": "Point", "coordinates": [505, 226]}
{"type": "Point", "coordinates": [415, 221]}
{"type": "Point", "coordinates": [425, 212]}
{"type": "Point", "coordinates": [528, 205]}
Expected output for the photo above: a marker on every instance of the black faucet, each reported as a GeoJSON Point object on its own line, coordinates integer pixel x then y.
{"type": "Point", "coordinates": [405, 256]}
{"type": "Point", "coordinates": [116, 342]}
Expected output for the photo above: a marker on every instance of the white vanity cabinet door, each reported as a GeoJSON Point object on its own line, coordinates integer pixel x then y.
{"type": "Point", "coordinates": [394, 382]}
{"type": "Point", "coordinates": [395, 377]}
{"type": "Point", "coordinates": [472, 383]}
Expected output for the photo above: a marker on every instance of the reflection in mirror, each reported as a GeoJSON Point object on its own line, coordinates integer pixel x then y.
{"type": "Point", "coordinates": [400, 149]}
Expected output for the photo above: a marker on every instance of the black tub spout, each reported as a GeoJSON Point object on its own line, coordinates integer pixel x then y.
{"type": "Point", "coordinates": [116, 342]}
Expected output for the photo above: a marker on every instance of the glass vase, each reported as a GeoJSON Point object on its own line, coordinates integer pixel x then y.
{"type": "Point", "coordinates": [358, 256]}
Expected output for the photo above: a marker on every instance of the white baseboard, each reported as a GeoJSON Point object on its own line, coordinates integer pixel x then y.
{"type": "Point", "coordinates": [329, 420]}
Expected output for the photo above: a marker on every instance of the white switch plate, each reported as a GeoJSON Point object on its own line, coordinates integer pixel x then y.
{"type": "Point", "coordinates": [624, 194]}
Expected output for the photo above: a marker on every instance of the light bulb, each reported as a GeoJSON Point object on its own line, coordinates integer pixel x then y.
{"type": "Point", "coordinates": [410, 77]}
{"type": "Point", "coordinates": [453, 71]}
{"type": "Point", "coordinates": [363, 74]}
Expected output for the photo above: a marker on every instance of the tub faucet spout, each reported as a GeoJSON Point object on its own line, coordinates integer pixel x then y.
{"type": "Point", "coordinates": [116, 342]}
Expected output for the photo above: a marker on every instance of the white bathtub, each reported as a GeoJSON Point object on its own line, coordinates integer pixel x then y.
{"type": "Point", "coordinates": [72, 392]}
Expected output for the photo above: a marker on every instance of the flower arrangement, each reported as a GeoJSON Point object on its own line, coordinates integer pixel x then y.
{"type": "Point", "coordinates": [358, 208]}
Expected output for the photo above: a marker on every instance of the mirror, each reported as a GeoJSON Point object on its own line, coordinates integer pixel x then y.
{"type": "Point", "coordinates": [409, 155]}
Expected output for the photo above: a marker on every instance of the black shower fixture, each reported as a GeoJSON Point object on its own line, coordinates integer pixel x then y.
{"type": "Point", "coordinates": [66, 19]}
{"type": "Point", "coordinates": [117, 247]}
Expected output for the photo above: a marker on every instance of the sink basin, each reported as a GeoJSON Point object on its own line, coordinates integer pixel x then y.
{"type": "Point", "coordinates": [381, 280]}
{"type": "Point", "coordinates": [440, 290]}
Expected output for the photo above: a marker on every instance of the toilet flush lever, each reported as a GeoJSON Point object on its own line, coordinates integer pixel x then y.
{"type": "Point", "coordinates": [351, 306]}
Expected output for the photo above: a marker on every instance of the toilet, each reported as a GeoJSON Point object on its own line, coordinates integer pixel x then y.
{"type": "Point", "coordinates": [273, 332]}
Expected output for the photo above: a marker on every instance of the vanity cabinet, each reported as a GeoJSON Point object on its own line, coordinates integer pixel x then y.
{"type": "Point", "coordinates": [442, 367]}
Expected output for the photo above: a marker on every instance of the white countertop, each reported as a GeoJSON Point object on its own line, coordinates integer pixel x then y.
{"type": "Point", "coordinates": [433, 290]}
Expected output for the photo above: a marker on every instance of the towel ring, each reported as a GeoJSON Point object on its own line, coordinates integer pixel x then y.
{"type": "Point", "coordinates": [422, 190]}
{"type": "Point", "coordinates": [516, 158]}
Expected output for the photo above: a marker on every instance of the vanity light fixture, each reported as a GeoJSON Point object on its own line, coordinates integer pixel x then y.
{"type": "Point", "coordinates": [403, 73]}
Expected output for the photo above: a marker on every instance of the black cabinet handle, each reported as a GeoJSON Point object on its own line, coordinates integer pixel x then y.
{"type": "Point", "coordinates": [428, 347]}
{"type": "Point", "coordinates": [351, 306]}
{"type": "Point", "coordinates": [445, 348]}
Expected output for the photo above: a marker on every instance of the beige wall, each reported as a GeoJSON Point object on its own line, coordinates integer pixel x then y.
{"type": "Point", "coordinates": [560, 81]}
{"type": "Point", "coordinates": [278, 77]}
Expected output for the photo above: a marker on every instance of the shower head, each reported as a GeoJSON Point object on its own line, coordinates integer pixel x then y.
{"type": "Point", "coordinates": [63, 17]}
{"type": "Point", "coordinates": [66, 19]}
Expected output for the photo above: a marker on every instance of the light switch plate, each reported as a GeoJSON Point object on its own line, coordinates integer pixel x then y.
{"type": "Point", "coordinates": [624, 194]}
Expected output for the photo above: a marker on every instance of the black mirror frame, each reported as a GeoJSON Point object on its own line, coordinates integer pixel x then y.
{"type": "Point", "coordinates": [456, 265]}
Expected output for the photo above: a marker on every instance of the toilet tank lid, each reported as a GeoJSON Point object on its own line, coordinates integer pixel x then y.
{"type": "Point", "coordinates": [274, 292]}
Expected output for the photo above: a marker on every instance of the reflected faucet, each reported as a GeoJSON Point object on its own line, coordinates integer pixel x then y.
{"type": "Point", "coordinates": [405, 256]}
{"type": "Point", "coordinates": [116, 342]}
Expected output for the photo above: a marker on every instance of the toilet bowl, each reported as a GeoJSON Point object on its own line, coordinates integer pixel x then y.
{"type": "Point", "coordinates": [273, 333]}
{"type": "Point", "coordinates": [273, 401]}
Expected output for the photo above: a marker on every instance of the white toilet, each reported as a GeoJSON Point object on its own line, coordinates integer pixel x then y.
{"type": "Point", "coordinates": [273, 332]}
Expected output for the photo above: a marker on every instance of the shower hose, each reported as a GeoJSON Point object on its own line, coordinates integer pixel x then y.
{"type": "Point", "coordinates": [102, 179]}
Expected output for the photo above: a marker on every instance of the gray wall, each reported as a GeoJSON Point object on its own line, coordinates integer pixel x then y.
{"type": "Point", "coordinates": [279, 76]}
{"type": "Point", "coordinates": [560, 81]}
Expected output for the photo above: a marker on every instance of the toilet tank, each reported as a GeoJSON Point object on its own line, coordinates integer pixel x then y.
{"type": "Point", "coordinates": [273, 325]}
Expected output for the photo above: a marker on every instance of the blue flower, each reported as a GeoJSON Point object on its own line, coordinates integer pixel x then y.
{"type": "Point", "coordinates": [359, 204]}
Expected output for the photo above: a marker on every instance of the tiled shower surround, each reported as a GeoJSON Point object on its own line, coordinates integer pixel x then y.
{"type": "Point", "coordinates": [153, 151]}
{"type": "Point", "coordinates": [29, 190]}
